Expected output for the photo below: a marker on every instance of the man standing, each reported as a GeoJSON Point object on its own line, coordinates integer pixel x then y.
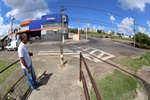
{"type": "Point", "coordinates": [25, 61]}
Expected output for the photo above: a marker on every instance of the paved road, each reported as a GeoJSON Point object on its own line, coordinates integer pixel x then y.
{"type": "Point", "coordinates": [113, 48]}
{"type": "Point", "coordinates": [61, 83]}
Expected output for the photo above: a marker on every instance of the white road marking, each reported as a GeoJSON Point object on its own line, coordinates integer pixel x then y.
{"type": "Point", "coordinates": [89, 49]}
{"type": "Point", "coordinates": [93, 51]}
{"type": "Point", "coordinates": [100, 55]}
{"type": "Point", "coordinates": [56, 53]}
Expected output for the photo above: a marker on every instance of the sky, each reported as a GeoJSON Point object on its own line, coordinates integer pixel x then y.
{"type": "Point", "coordinates": [117, 15]}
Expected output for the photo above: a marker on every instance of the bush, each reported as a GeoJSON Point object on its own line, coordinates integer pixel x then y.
{"type": "Point", "coordinates": [145, 46]}
{"type": "Point", "coordinates": [142, 38]}
{"type": "Point", "coordinates": [106, 37]}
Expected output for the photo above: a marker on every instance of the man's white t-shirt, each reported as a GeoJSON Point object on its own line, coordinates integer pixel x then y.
{"type": "Point", "coordinates": [23, 52]}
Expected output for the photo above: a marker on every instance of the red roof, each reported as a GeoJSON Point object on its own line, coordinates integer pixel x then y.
{"type": "Point", "coordinates": [25, 23]}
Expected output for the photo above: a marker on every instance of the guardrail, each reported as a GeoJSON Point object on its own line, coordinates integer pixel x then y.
{"type": "Point", "coordinates": [8, 95]}
{"type": "Point", "coordinates": [9, 66]}
{"type": "Point", "coordinates": [81, 77]}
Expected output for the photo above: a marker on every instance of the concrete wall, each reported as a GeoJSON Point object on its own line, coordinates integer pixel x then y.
{"type": "Point", "coordinates": [75, 37]}
{"type": "Point", "coordinates": [52, 35]}
{"type": "Point", "coordinates": [26, 27]}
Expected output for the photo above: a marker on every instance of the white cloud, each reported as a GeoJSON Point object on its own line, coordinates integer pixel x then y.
{"type": "Point", "coordinates": [142, 29]}
{"type": "Point", "coordinates": [126, 25]}
{"type": "Point", "coordinates": [1, 21]}
{"type": "Point", "coordinates": [94, 27]}
{"type": "Point", "coordinates": [70, 26]}
{"type": "Point", "coordinates": [112, 18]}
{"type": "Point", "coordinates": [88, 24]}
{"type": "Point", "coordinates": [26, 9]}
{"type": "Point", "coordinates": [133, 4]}
{"type": "Point", "coordinates": [101, 27]}
{"type": "Point", "coordinates": [5, 29]}
{"type": "Point", "coordinates": [148, 23]}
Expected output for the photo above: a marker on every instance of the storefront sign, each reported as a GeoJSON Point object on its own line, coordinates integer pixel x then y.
{"type": "Point", "coordinates": [51, 19]}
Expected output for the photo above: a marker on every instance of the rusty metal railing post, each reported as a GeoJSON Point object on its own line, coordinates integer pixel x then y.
{"type": "Point", "coordinates": [85, 87]}
{"type": "Point", "coordinates": [92, 81]}
{"type": "Point", "coordinates": [61, 56]}
{"type": "Point", "coordinates": [80, 70]}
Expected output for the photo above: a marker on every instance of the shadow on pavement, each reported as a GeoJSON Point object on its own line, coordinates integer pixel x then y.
{"type": "Point", "coordinates": [44, 78]}
{"type": "Point", "coordinates": [65, 62]}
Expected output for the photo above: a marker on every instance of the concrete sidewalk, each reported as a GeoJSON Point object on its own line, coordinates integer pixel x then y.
{"type": "Point", "coordinates": [58, 83]}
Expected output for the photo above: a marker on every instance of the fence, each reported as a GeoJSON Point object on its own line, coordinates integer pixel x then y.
{"type": "Point", "coordinates": [18, 89]}
{"type": "Point", "coordinates": [81, 77]}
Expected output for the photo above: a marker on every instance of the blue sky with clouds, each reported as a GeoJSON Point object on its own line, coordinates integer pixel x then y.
{"type": "Point", "coordinates": [117, 15]}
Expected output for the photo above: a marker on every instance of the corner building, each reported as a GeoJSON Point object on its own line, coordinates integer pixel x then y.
{"type": "Point", "coordinates": [49, 28]}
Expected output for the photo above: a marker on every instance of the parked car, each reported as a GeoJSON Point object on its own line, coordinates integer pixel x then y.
{"type": "Point", "coordinates": [13, 45]}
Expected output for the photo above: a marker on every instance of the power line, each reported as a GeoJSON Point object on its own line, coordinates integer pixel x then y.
{"type": "Point", "coordinates": [106, 12]}
{"type": "Point", "coordinates": [82, 8]}
{"type": "Point", "coordinates": [96, 23]}
{"type": "Point", "coordinates": [98, 10]}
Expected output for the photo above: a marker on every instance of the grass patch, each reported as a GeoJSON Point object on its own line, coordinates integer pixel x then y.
{"type": "Point", "coordinates": [117, 86]}
{"type": "Point", "coordinates": [118, 37]}
{"type": "Point", "coordinates": [136, 63]}
{"type": "Point", "coordinates": [95, 34]}
{"type": "Point", "coordinates": [8, 72]}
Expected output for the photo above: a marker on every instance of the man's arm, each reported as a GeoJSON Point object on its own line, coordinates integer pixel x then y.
{"type": "Point", "coordinates": [30, 53]}
{"type": "Point", "coordinates": [24, 63]}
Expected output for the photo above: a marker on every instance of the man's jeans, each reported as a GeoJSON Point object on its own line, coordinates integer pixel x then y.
{"type": "Point", "coordinates": [31, 77]}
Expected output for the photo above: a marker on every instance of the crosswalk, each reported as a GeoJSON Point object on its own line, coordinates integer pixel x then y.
{"type": "Point", "coordinates": [98, 54]}
{"type": "Point", "coordinates": [95, 52]}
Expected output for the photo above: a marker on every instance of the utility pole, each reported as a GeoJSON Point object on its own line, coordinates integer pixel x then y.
{"type": "Point", "coordinates": [62, 25]}
{"type": "Point", "coordinates": [134, 32]}
{"type": "Point", "coordinates": [79, 29]}
{"type": "Point", "coordinates": [11, 23]}
{"type": "Point", "coordinates": [86, 30]}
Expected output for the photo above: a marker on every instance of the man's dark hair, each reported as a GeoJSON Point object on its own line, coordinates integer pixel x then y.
{"type": "Point", "coordinates": [21, 36]}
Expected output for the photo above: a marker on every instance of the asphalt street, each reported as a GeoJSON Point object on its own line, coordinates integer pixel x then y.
{"type": "Point", "coordinates": [58, 79]}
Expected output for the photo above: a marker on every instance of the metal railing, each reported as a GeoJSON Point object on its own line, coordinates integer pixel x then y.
{"type": "Point", "coordinates": [14, 86]}
{"type": "Point", "coordinates": [81, 77]}
{"type": "Point", "coordinates": [8, 66]}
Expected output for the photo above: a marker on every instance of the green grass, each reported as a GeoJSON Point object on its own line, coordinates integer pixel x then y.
{"type": "Point", "coordinates": [117, 37]}
{"type": "Point", "coordinates": [117, 86]}
{"type": "Point", "coordinates": [95, 34]}
{"type": "Point", "coordinates": [8, 72]}
{"type": "Point", "coordinates": [136, 63]}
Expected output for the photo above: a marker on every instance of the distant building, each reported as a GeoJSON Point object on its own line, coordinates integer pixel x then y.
{"type": "Point", "coordinates": [91, 30]}
{"type": "Point", "coordinates": [125, 36]}
{"type": "Point", "coordinates": [3, 41]}
{"type": "Point", "coordinates": [48, 28]}
{"type": "Point", "coordinates": [131, 36]}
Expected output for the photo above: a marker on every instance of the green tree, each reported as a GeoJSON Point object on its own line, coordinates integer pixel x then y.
{"type": "Point", "coordinates": [99, 31]}
{"type": "Point", "coordinates": [142, 38]}
{"type": "Point", "coordinates": [73, 30]}
{"type": "Point", "coordinates": [81, 31]}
